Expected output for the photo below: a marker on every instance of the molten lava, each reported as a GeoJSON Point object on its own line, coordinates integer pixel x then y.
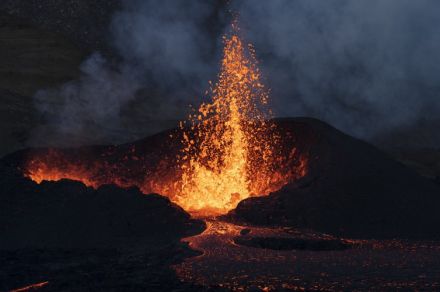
{"type": "Point", "coordinates": [228, 148]}
{"type": "Point", "coordinates": [229, 155]}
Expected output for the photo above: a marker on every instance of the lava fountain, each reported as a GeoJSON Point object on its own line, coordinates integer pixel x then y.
{"type": "Point", "coordinates": [228, 149]}
{"type": "Point", "coordinates": [230, 145]}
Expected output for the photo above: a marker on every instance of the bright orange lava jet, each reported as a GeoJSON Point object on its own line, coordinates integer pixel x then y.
{"type": "Point", "coordinates": [229, 149]}
{"type": "Point", "coordinates": [230, 145]}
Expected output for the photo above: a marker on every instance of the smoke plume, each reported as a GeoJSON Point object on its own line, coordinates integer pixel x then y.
{"type": "Point", "coordinates": [166, 53]}
{"type": "Point", "coordinates": [367, 67]}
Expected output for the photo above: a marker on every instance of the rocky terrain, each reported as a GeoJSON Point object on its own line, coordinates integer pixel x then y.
{"type": "Point", "coordinates": [74, 237]}
{"type": "Point", "coordinates": [352, 189]}
{"type": "Point", "coordinates": [79, 235]}
{"type": "Point", "coordinates": [255, 258]}
{"type": "Point", "coordinates": [345, 178]}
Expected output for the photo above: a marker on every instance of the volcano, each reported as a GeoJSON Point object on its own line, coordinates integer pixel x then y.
{"type": "Point", "coordinates": [231, 153]}
{"type": "Point", "coordinates": [351, 189]}
{"type": "Point", "coordinates": [232, 198]}
{"type": "Point", "coordinates": [208, 164]}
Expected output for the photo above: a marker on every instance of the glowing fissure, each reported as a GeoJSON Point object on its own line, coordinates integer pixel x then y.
{"type": "Point", "coordinates": [218, 162]}
{"type": "Point", "coordinates": [229, 150]}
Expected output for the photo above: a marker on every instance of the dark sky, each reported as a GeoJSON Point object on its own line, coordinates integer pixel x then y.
{"type": "Point", "coordinates": [368, 67]}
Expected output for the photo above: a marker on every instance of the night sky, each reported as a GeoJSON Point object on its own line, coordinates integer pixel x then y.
{"type": "Point", "coordinates": [369, 68]}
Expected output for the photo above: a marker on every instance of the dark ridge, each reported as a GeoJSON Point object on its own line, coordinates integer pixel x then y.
{"type": "Point", "coordinates": [352, 189]}
{"type": "Point", "coordinates": [67, 214]}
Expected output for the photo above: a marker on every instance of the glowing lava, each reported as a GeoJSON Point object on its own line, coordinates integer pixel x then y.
{"type": "Point", "coordinates": [227, 150]}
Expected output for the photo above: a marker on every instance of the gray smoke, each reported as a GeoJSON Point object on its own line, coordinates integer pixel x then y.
{"type": "Point", "coordinates": [95, 98]}
{"type": "Point", "coordinates": [364, 66]}
{"type": "Point", "coordinates": [367, 67]}
{"type": "Point", "coordinates": [166, 53]}
{"type": "Point", "coordinates": [168, 39]}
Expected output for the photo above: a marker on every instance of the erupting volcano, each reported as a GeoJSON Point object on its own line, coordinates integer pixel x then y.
{"type": "Point", "coordinates": [231, 148]}
{"type": "Point", "coordinates": [227, 150]}
{"type": "Point", "coordinates": [228, 195]}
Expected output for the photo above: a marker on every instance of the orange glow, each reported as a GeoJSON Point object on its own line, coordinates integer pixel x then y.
{"type": "Point", "coordinates": [230, 147]}
{"type": "Point", "coordinates": [31, 287]}
{"type": "Point", "coordinates": [228, 150]}
{"type": "Point", "coordinates": [54, 167]}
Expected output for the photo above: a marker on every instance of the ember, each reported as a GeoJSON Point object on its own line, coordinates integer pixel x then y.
{"type": "Point", "coordinates": [233, 149]}
{"type": "Point", "coordinates": [229, 149]}
{"type": "Point", "coordinates": [31, 287]}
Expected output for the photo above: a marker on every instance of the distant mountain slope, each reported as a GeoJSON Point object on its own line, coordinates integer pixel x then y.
{"type": "Point", "coordinates": [352, 189]}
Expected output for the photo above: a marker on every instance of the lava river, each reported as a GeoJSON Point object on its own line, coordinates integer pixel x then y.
{"type": "Point", "coordinates": [348, 265]}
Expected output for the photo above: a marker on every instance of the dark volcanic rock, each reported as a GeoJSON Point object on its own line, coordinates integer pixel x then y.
{"type": "Point", "coordinates": [80, 239]}
{"type": "Point", "coordinates": [286, 243]}
{"type": "Point", "coordinates": [67, 214]}
{"type": "Point", "coordinates": [352, 189]}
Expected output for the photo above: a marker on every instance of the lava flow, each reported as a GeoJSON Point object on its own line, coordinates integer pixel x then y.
{"type": "Point", "coordinates": [228, 150]}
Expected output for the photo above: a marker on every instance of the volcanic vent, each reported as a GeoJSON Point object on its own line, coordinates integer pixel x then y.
{"type": "Point", "coordinates": [227, 150]}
